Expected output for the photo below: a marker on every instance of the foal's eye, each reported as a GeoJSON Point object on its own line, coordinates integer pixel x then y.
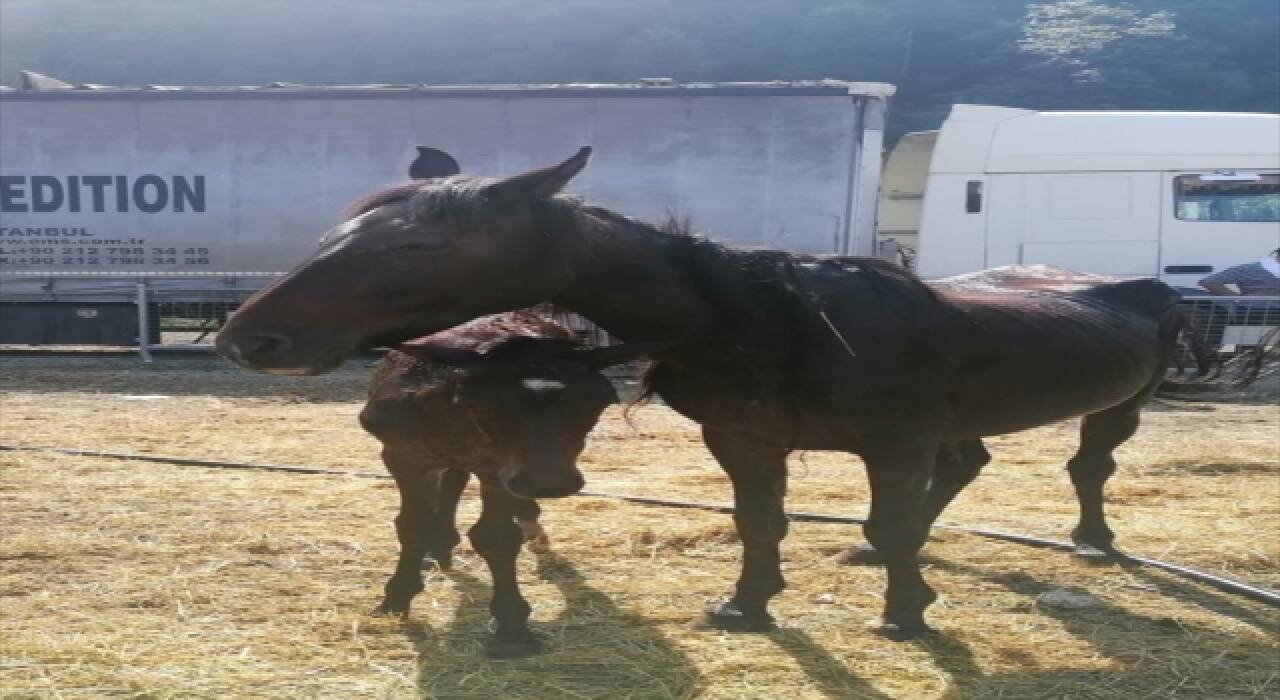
{"type": "Point", "coordinates": [419, 247]}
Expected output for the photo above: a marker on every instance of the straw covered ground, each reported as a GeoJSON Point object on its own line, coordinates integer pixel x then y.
{"type": "Point", "coordinates": [122, 578]}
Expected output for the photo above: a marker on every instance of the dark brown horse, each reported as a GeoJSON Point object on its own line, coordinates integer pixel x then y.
{"type": "Point", "coordinates": [774, 352]}
{"type": "Point", "coordinates": [508, 398]}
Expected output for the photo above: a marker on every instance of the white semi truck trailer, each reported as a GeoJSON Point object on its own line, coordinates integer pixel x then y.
{"type": "Point", "coordinates": [105, 188]}
{"type": "Point", "coordinates": [196, 194]}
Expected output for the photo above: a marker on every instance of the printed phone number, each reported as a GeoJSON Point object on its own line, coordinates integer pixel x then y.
{"type": "Point", "coordinates": [94, 255]}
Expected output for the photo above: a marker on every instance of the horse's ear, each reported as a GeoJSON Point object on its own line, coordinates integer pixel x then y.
{"type": "Point", "coordinates": [544, 182]}
{"type": "Point", "coordinates": [599, 358]}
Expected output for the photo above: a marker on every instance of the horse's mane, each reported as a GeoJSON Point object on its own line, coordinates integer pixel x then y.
{"type": "Point", "coordinates": [455, 194]}
{"type": "Point", "coordinates": [394, 193]}
{"type": "Point", "coordinates": [724, 276]}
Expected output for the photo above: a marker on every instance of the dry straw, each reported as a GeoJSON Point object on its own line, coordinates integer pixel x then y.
{"type": "Point", "coordinates": [136, 579]}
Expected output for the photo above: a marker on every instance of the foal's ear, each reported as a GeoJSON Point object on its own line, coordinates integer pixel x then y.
{"type": "Point", "coordinates": [544, 182]}
{"type": "Point", "coordinates": [599, 358]}
{"type": "Point", "coordinates": [448, 355]}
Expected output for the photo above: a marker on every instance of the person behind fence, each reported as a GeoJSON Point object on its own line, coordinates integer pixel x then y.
{"type": "Point", "coordinates": [1260, 278]}
{"type": "Point", "coordinates": [1255, 279]}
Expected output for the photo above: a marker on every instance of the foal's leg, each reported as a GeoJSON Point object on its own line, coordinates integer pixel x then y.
{"type": "Point", "coordinates": [418, 491]}
{"type": "Point", "coordinates": [527, 513]}
{"type": "Point", "coordinates": [759, 475]}
{"type": "Point", "coordinates": [496, 538]}
{"type": "Point", "coordinates": [1092, 465]}
{"type": "Point", "coordinates": [442, 532]}
{"type": "Point", "coordinates": [896, 528]}
{"type": "Point", "coordinates": [956, 466]}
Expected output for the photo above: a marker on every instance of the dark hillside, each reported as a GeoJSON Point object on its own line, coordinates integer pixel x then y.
{"type": "Point", "coordinates": [1172, 54]}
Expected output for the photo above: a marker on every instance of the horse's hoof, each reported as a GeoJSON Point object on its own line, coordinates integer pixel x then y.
{"type": "Point", "coordinates": [859, 555]}
{"type": "Point", "coordinates": [1095, 555]}
{"type": "Point", "coordinates": [515, 647]}
{"type": "Point", "coordinates": [901, 631]}
{"type": "Point", "coordinates": [728, 618]}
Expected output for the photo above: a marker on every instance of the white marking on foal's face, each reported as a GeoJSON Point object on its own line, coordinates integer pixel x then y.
{"type": "Point", "coordinates": [536, 384]}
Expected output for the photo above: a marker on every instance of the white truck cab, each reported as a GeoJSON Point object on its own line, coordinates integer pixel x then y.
{"type": "Point", "coordinates": [1174, 195]}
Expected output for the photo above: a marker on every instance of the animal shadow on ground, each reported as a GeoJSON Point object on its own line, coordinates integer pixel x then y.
{"type": "Point", "coordinates": [1223, 604]}
{"type": "Point", "coordinates": [594, 649]}
{"type": "Point", "coordinates": [1151, 656]}
{"type": "Point", "coordinates": [827, 672]}
{"type": "Point", "coordinates": [1212, 468]}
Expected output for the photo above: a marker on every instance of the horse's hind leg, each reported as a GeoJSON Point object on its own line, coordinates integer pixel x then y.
{"type": "Point", "coordinates": [1100, 434]}
{"type": "Point", "coordinates": [442, 530]}
{"type": "Point", "coordinates": [956, 466]}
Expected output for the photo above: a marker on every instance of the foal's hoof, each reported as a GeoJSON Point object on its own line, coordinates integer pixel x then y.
{"type": "Point", "coordinates": [726, 617]}
{"type": "Point", "coordinates": [441, 562]}
{"type": "Point", "coordinates": [513, 647]}
{"type": "Point", "coordinates": [530, 530]}
{"type": "Point", "coordinates": [859, 555]}
{"type": "Point", "coordinates": [389, 607]}
{"type": "Point", "coordinates": [901, 631]}
{"type": "Point", "coordinates": [534, 537]}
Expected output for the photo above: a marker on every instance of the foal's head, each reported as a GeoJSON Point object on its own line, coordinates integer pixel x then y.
{"type": "Point", "coordinates": [531, 401]}
{"type": "Point", "coordinates": [536, 400]}
{"type": "Point", "coordinates": [411, 260]}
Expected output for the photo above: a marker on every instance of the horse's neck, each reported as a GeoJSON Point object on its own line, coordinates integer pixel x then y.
{"type": "Point", "coordinates": [627, 281]}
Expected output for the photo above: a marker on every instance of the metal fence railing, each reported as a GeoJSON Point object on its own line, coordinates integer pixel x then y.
{"type": "Point", "coordinates": [1230, 324]}
{"type": "Point", "coordinates": [147, 312]}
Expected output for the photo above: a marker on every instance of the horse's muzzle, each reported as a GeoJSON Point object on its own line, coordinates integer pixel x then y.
{"type": "Point", "coordinates": [273, 353]}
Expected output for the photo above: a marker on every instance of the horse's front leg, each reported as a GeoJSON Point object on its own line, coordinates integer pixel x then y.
{"type": "Point", "coordinates": [496, 538]}
{"type": "Point", "coordinates": [418, 495]}
{"type": "Point", "coordinates": [899, 474]}
{"type": "Point", "coordinates": [759, 475]}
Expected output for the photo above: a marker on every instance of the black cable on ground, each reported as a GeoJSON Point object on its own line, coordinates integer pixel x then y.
{"type": "Point", "coordinates": [1222, 583]}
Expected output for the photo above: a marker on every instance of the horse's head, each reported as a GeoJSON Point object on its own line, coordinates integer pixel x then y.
{"type": "Point", "coordinates": [408, 261]}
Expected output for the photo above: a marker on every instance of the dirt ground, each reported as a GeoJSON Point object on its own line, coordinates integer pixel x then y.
{"type": "Point", "coordinates": [125, 578]}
